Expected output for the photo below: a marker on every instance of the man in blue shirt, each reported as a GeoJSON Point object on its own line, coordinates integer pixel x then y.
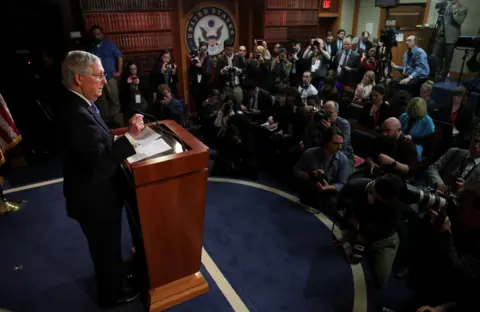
{"type": "Point", "coordinates": [112, 62]}
{"type": "Point", "coordinates": [323, 171]}
{"type": "Point", "coordinates": [415, 65]}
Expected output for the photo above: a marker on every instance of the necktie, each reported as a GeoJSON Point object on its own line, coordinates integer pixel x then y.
{"type": "Point", "coordinates": [95, 108]}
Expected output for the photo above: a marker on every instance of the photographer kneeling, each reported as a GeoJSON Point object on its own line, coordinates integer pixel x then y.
{"type": "Point", "coordinates": [447, 257]}
{"type": "Point", "coordinates": [323, 172]}
{"type": "Point", "coordinates": [372, 213]}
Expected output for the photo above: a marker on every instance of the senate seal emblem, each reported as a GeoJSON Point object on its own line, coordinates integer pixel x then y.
{"type": "Point", "coordinates": [212, 25]}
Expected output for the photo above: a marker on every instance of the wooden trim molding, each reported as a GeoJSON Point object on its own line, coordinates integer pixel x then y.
{"type": "Point", "coordinates": [356, 13]}
{"type": "Point", "coordinates": [427, 12]}
{"type": "Point", "coordinates": [183, 52]}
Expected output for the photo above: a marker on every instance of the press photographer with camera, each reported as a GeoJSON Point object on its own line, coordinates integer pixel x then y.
{"type": "Point", "coordinates": [447, 254]}
{"type": "Point", "coordinates": [371, 213]}
{"type": "Point", "coordinates": [165, 72]}
{"type": "Point", "coordinates": [322, 172]}
{"type": "Point", "coordinates": [318, 60]}
{"type": "Point", "coordinates": [200, 73]}
{"type": "Point", "coordinates": [230, 69]}
{"type": "Point", "coordinates": [281, 69]}
{"type": "Point", "coordinates": [451, 16]}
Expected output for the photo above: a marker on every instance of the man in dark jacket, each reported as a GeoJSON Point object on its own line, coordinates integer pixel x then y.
{"type": "Point", "coordinates": [91, 158]}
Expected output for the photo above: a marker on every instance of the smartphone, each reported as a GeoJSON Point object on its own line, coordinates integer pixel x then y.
{"type": "Point", "coordinates": [259, 41]}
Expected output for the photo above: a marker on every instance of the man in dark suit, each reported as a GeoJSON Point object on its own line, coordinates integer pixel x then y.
{"type": "Point", "coordinates": [257, 103]}
{"type": "Point", "coordinates": [230, 68]}
{"type": "Point", "coordinates": [91, 158]}
{"type": "Point", "coordinates": [339, 42]}
{"type": "Point", "coordinates": [330, 47]}
{"type": "Point", "coordinates": [364, 43]}
{"type": "Point", "coordinates": [347, 63]}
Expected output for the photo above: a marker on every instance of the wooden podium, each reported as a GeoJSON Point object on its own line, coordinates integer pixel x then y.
{"type": "Point", "coordinates": [167, 209]}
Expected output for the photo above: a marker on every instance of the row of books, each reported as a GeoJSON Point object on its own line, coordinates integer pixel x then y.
{"type": "Point", "coordinates": [287, 18]}
{"type": "Point", "coordinates": [281, 34]}
{"type": "Point", "coordinates": [292, 4]}
{"type": "Point", "coordinates": [125, 5]}
{"type": "Point", "coordinates": [129, 21]}
{"type": "Point", "coordinates": [141, 42]}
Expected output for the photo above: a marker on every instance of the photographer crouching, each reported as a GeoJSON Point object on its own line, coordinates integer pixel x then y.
{"type": "Point", "coordinates": [447, 255]}
{"type": "Point", "coordinates": [370, 216]}
{"type": "Point", "coordinates": [323, 171]}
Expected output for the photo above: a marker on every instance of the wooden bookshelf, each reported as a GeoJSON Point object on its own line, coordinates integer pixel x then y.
{"type": "Point", "coordinates": [140, 28]}
{"type": "Point", "coordinates": [286, 20]}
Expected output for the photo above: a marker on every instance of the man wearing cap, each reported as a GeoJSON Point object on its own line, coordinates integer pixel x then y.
{"type": "Point", "coordinates": [373, 210]}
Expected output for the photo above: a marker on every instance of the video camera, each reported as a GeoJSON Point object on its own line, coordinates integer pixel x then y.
{"type": "Point", "coordinates": [388, 36]}
{"type": "Point", "coordinates": [441, 7]}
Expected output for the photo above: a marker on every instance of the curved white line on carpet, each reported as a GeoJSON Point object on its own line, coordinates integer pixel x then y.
{"type": "Point", "coordinates": [359, 284]}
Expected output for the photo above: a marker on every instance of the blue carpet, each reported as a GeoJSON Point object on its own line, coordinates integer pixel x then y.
{"type": "Point", "coordinates": [276, 256]}
{"type": "Point", "coordinates": [56, 273]}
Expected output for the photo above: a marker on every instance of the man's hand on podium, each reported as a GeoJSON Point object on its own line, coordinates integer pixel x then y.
{"type": "Point", "coordinates": [135, 125]}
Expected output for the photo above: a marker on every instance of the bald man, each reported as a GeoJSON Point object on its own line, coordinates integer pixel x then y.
{"type": "Point", "coordinates": [391, 152]}
{"type": "Point", "coordinates": [415, 66]}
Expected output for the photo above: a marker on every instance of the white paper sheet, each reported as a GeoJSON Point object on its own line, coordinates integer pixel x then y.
{"type": "Point", "coordinates": [369, 28]}
{"type": "Point", "coordinates": [147, 136]}
{"type": "Point", "coordinates": [145, 151]}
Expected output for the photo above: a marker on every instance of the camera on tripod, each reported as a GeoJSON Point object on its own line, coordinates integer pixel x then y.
{"type": "Point", "coordinates": [388, 36]}
{"type": "Point", "coordinates": [441, 7]}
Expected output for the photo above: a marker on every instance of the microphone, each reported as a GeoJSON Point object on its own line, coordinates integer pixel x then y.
{"type": "Point", "coordinates": [163, 130]}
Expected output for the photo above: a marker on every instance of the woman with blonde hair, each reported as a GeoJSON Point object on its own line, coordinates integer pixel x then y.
{"type": "Point", "coordinates": [426, 93]}
{"type": "Point", "coordinates": [364, 88]}
{"type": "Point", "coordinates": [416, 124]}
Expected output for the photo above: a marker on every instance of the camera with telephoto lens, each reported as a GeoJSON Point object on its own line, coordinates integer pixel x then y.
{"type": "Point", "coordinates": [429, 199]}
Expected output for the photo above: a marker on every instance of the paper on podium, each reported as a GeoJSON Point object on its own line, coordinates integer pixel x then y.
{"type": "Point", "coordinates": [147, 136]}
{"type": "Point", "coordinates": [149, 143]}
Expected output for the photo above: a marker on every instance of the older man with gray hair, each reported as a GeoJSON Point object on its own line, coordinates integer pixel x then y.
{"type": "Point", "coordinates": [93, 184]}
{"type": "Point", "coordinates": [332, 109]}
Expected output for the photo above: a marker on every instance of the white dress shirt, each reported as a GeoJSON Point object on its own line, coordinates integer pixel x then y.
{"type": "Point", "coordinates": [127, 135]}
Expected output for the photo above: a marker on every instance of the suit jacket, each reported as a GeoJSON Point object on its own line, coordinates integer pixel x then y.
{"type": "Point", "coordinates": [157, 77]}
{"type": "Point", "coordinates": [91, 158]}
{"type": "Point", "coordinates": [349, 78]}
{"type": "Point", "coordinates": [222, 61]}
{"type": "Point", "coordinates": [333, 49]}
{"type": "Point", "coordinates": [368, 44]}
{"type": "Point", "coordinates": [453, 22]}
{"type": "Point", "coordinates": [463, 121]}
{"type": "Point", "coordinates": [369, 121]}
{"type": "Point", "coordinates": [264, 100]}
